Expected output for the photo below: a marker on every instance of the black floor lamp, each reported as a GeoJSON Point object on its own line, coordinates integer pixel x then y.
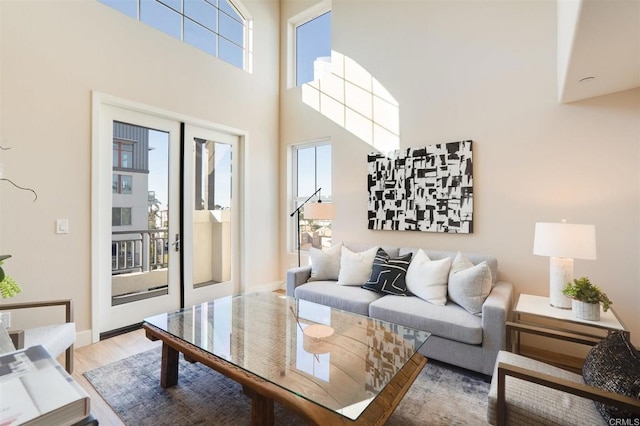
{"type": "Point", "coordinates": [317, 210]}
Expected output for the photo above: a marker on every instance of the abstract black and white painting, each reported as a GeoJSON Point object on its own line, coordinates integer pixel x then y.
{"type": "Point", "coordinates": [422, 189]}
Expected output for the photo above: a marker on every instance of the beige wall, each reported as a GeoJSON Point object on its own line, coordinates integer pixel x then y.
{"type": "Point", "coordinates": [486, 71]}
{"type": "Point", "coordinates": [53, 54]}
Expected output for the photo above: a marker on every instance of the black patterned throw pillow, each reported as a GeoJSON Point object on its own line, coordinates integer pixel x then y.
{"type": "Point", "coordinates": [614, 365]}
{"type": "Point", "coordinates": [388, 275]}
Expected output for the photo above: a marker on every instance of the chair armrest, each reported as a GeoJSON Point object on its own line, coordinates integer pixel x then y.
{"type": "Point", "coordinates": [297, 276]}
{"type": "Point", "coordinates": [552, 382]}
{"type": "Point", "coordinates": [67, 303]}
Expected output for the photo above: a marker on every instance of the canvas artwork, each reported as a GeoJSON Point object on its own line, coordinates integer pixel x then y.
{"type": "Point", "coordinates": [426, 189]}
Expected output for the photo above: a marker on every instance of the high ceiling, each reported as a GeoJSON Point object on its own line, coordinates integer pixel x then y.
{"type": "Point", "coordinates": [606, 46]}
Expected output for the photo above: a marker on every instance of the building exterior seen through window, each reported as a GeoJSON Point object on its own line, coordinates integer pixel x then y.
{"type": "Point", "coordinates": [312, 170]}
{"type": "Point", "coordinates": [122, 184]}
{"type": "Point", "coordinates": [121, 216]}
{"type": "Point", "coordinates": [213, 26]}
{"type": "Point", "coordinates": [139, 214]}
{"type": "Point", "coordinates": [122, 154]}
{"type": "Point", "coordinates": [313, 41]}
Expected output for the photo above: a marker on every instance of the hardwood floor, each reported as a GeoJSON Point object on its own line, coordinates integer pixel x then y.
{"type": "Point", "coordinates": [102, 353]}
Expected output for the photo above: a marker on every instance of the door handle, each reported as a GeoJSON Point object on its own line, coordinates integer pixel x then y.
{"type": "Point", "coordinates": [176, 244]}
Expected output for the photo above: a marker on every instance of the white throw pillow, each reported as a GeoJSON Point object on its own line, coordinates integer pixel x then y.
{"type": "Point", "coordinates": [469, 284]}
{"type": "Point", "coordinates": [355, 268]}
{"type": "Point", "coordinates": [428, 278]}
{"type": "Point", "coordinates": [325, 263]}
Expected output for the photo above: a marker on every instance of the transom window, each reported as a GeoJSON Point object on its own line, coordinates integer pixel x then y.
{"type": "Point", "coordinates": [313, 45]}
{"type": "Point", "coordinates": [122, 155]}
{"type": "Point", "coordinates": [309, 44]}
{"type": "Point", "coordinates": [214, 26]}
{"type": "Point", "coordinates": [312, 171]}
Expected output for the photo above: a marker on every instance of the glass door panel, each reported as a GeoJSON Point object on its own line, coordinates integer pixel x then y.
{"type": "Point", "coordinates": [138, 216]}
{"type": "Point", "coordinates": [140, 213]}
{"type": "Point", "coordinates": [211, 186]}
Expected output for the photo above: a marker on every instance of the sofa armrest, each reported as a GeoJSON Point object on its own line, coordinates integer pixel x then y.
{"type": "Point", "coordinates": [496, 311]}
{"type": "Point", "coordinates": [296, 277]}
{"type": "Point", "coordinates": [552, 382]}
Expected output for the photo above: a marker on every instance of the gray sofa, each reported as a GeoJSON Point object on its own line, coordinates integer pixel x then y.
{"type": "Point", "coordinates": [457, 336]}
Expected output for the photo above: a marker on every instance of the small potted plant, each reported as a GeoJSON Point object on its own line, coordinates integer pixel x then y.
{"type": "Point", "coordinates": [8, 286]}
{"type": "Point", "coordinates": [586, 299]}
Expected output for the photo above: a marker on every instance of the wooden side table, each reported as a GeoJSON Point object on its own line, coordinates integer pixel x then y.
{"type": "Point", "coordinates": [530, 310]}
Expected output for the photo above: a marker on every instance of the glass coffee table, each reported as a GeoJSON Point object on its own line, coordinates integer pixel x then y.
{"type": "Point", "coordinates": [326, 364]}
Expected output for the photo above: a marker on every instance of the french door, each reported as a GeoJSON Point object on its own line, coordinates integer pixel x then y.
{"type": "Point", "coordinates": [211, 212]}
{"type": "Point", "coordinates": [165, 214]}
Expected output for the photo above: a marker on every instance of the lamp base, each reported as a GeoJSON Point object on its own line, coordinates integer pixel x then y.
{"type": "Point", "coordinates": [560, 273]}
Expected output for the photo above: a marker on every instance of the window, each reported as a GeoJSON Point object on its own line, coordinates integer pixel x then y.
{"type": "Point", "coordinates": [312, 44]}
{"type": "Point", "coordinates": [120, 216]}
{"type": "Point", "coordinates": [312, 171]}
{"type": "Point", "coordinates": [217, 27]}
{"type": "Point", "coordinates": [122, 155]}
{"type": "Point", "coordinates": [122, 184]}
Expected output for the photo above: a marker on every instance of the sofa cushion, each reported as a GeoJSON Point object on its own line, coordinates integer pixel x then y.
{"type": "Point", "coordinates": [473, 257]}
{"type": "Point", "coordinates": [348, 298]}
{"type": "Point", "coordinates": [325, 263]}
{"type": "Point", "coordinates": [388, 275]}
{"type": "Point", "coordinates": [428, 278]}
{"type": "Point", "coordinates": [449, 321]}
{"type": "Point", "coordinates": [469, 284]}
{"type": "Point", "coordinates": [355, 268]}
{"type": "Point", "coordinates": [54, 338]}
{"type": "Point", "coordinates": [614, 365]}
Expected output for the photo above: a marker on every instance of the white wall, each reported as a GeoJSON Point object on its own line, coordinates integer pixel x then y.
{"type": "Point", "coordinates": [486, 71]}
{"type": "Point", "coordinates": [53, 54]}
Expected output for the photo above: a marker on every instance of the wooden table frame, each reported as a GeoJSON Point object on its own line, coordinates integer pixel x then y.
{"type": "Point", "coordinates": [597, 330]}
{"type": "Point", "coordinates": [263, 393]}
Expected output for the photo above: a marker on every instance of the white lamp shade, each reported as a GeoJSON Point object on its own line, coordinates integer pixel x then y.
{"type": "Point", "coordinates": [319, 211]}
{"type": "Point", "coordinates": [567, 240]}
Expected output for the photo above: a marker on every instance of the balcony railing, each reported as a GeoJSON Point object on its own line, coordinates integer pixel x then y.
{"type": "Point", "coordinates": [139, 250]}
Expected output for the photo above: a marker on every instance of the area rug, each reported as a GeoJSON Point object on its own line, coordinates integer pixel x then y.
{"type": "Point", "coordinates": [441, 395]}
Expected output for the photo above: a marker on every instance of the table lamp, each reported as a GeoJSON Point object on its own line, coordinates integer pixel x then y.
{"type": "Point", "coordinates": [563, 242]}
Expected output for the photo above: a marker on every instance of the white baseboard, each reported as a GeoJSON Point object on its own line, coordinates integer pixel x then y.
{"type": "Point", "coordinates": [83, 338]}
{"type": "Point", "coordinates": [275, 285]}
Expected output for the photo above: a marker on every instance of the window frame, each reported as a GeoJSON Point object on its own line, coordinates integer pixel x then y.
{"type": "Point", "coordinates": [119, 184]}
{"type": "Point", "coordinates": [121, 216]}
{"type": "Point", "coordinates": [120, 144]}
{"type": "Point", "coordinates": [292, 24]}
{"type": "Point", "coordinates": [294, 199]}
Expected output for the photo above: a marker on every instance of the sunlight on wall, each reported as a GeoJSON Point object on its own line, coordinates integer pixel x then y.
{"type": "Point", "coordinates": [351, 97]}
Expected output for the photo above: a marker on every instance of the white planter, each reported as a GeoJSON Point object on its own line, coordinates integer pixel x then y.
{"type": "Point", "coordinates": [586, 311]}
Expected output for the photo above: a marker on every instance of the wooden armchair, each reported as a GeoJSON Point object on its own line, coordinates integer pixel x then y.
{"type": "Point", "coordinates": [55, 338]}
{"type": "Point", "coordinates": [527, 391]}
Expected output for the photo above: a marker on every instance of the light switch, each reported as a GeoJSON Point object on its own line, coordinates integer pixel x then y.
{"type": "Point", "coordinates": [62, 226]}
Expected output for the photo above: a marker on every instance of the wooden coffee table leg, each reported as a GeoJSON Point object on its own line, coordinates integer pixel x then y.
{"type": "Point", "coordinates": [261, 408]}
{"type": "Point", "coordinates": [169, 366]}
